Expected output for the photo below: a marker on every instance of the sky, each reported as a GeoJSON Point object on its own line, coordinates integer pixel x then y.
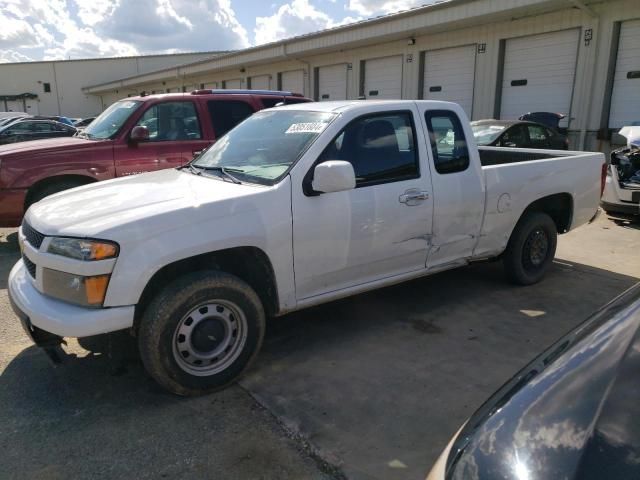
{"type": "Point", "coordinates": [63, 29]}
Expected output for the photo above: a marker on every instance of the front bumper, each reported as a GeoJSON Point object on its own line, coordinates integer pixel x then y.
{"type": "Point", "coordinates": [61, 318]}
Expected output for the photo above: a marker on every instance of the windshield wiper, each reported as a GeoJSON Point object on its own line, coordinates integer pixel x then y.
{"type": "Point", "coordinates": [225, 171]}
{"type": "Point", "coordinates": [192, 169]}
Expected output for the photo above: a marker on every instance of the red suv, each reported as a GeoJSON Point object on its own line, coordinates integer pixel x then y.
{"type": "Point", "coordinates": [134, 135]}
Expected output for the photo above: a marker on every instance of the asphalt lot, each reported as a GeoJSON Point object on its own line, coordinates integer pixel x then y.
{"type": "Point", "coordinates": [370, 387]}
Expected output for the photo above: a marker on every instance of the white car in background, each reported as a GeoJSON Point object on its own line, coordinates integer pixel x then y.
{"type": "Point", "coordinates": [622, 188]}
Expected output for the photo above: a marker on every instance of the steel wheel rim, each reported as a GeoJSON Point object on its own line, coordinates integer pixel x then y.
{"type": "Point", "coordinates": [209, 338]}
{"type": "Point", "coordinates": [536, 248]}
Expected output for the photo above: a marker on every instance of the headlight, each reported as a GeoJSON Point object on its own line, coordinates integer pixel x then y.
{"type": "Point", "coordinates": [82, 249]}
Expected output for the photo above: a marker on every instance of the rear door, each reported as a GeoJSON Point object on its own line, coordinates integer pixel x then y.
{"type": "Point", "coordinates": [175, 132]}
{"type": "Point", "coordinates": [379, 229]}
{"type": "Point", "coordinates": [458, 187]}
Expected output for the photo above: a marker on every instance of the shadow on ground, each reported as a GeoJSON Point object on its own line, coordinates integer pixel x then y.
{"type": "Point", "coordinates": [378, 383]}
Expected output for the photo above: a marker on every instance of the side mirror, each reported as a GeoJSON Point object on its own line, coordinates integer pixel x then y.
{"type": "Point", "coordinates": [139, 134]}
{"type": "Point", "coordinates": [333, 176]}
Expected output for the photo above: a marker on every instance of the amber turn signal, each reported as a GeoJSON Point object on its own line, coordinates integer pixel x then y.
{"type": "Point", "coordinates": [96, 289]}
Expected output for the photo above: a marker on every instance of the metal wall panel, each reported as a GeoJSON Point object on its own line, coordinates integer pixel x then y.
{"type": "Point", "coordinates": [260, 82]}
{"type": "Point", "coordinates": [625, 97]}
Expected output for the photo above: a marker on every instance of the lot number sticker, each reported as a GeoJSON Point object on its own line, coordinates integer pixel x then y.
{"type": "Point", "coordinates": [314, 127]}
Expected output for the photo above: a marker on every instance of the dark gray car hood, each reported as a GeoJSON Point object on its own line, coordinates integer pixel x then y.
{"type": "Point", "coordinates": [573, 413]}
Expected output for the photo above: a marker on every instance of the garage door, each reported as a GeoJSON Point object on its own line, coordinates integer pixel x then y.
{"type": "Point", "coordinates": [625, 98]}
{"type": "Point", "coordinates": [260, 82]}
{"type": "Point", "coordinates": [32, 106]}
{"type": "Point", "coordinates": [538, 74]}
{"type": "Point", "coordinates": [235, 83]}
{"type": "Point", "coordinates": [292, 81]}
{"type": "Point", "coordinates": [15, 106]}
{"type": "Point", "coordinates": [383, 77]}
{"type": "Point", "coordinates": [449, 75]}
{"type": "Point", "coordinates": [332, 82]}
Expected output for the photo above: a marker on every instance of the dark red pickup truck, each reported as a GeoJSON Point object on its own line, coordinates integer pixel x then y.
{"type": "Point", "coordinates": [134, 135]}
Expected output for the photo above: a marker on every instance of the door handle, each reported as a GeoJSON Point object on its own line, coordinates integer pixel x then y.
{"type": "Point", "coordinates": [413, 197]}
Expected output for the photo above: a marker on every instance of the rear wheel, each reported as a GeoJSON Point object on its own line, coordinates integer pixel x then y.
{"type": "Point", "coordinates": [201, 332]}
{"type": "Point", "coordinates": [531, 248]}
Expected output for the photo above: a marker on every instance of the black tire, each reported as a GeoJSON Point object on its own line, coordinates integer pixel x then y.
{"type": "Point", "coordinates": [51, 189]}
{"type": "Point", "coordinates": [531, 248]}
{"type": "Point", "coordinates": [168, 313]}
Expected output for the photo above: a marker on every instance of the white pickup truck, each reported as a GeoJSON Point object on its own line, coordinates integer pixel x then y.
{"type": "Point", "coordinates": [296, 206]}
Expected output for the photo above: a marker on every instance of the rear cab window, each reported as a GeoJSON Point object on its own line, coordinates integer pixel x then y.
{"type": "Point", "coordinates": [226, 114]}
{"type": "Point", "coordinates": [448, 142]}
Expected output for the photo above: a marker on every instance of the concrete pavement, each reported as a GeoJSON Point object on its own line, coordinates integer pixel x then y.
{"type": "Point", "coordinates": [372, 386]}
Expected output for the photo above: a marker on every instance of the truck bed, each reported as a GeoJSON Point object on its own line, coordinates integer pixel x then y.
{"type": "Point", "coordinates": [499, 156]}
{"type": "Point", "coordinates": [514, 177]}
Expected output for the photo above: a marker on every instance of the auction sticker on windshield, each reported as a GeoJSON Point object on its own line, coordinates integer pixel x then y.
{"type": "Point", "coordinates": [313, 127]}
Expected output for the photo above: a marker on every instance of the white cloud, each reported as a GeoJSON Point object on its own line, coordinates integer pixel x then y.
{"type": "Point", "coordinates": [291, 19]}
{"type": "Point", "coordinates": [58, 29]}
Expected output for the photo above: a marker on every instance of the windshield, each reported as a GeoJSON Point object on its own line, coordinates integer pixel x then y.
{"type": "Point", "coordinates": [486, 133]}
{"type": "Point", "coordinates": [110, 121]}
{"type": "Point", "coordinates": [264, 146]}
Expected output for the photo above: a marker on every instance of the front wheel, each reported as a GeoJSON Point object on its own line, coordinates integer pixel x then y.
{"type": "Point", "coordinates": [531, 248]}
{"type": "Point", "coordinates": [201, 332]}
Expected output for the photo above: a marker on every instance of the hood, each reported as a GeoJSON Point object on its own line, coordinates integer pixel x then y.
{"type": "Point", "coordinates": [632, 134]}
{"type": "Point", "coordinates": [44, 145]}
{"type": "Point", "coordinates": [155, 202]}
{"type": "Point", "coordinates": [570, 414]}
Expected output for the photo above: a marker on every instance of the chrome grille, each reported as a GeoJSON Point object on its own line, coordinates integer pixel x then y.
{"type": "Point", "coordinates": [34, 237]}
{"type": "Point", "coordinates": [31, 267]}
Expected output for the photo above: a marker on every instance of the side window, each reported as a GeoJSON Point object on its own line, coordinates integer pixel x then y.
{"type": "Point", "coordinates": [380, 147]}
{"type": "Point", "coordinates": [448, 144]}
{"type": "Point", "coordinates": [171, 121]}
{"type": "Point", "coordinates": [536, 133]}
{"type": "Point", "coordinates": [22, 127]}
{"type": "Point", "coordinates": [292, 100]}
{"type": "Point", "coordinates": [44, 127]}
{"type": "Point", "coordinates": [269, 102]}
{"type": "Point", "coordinates": [226, 114]}
{"type": "Point", "coordinates": [515, 136]}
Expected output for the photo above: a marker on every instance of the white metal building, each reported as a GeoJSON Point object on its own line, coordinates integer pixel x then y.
{"type": "Point", "coordinates": [497, 58]}
{"type": "Point", "coordinates": [55, 87]}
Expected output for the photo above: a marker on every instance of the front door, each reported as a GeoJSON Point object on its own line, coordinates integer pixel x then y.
{"type": "Point", "coordinates": [174, 134]}
{"type": "Point", "coordinates": [377, 230]}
